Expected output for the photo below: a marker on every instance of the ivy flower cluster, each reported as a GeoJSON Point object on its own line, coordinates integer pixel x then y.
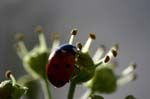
{"type": "Point", "coordinates": [94, 72]}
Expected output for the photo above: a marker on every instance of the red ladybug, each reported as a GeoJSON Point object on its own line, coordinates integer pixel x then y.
{"type": "Point", "coordinates": [60, 65]}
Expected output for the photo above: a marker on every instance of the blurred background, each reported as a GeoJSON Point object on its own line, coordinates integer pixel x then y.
{"type": "Point", "coordinates": [113, 21]}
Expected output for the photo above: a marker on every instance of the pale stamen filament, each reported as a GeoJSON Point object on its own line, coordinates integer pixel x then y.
{"type": "Point", "coordinates": [56, 41]}
{"type": "Point", "coordinates": [98, 54]}
{"type": "Point", "coordinates": [88, 42]}
{"type": "Point", "coordinates": [129, 69]}
{"type": "Point", "coordinates": [73, 33]}
{"type": "Point", "coordinates": [126, 79]}
{"type": "Point", "coordinates": [42, 42]}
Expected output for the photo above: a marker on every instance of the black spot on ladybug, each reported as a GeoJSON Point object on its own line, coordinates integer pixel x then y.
{"type": "Point", "coordinates": [55, 66]}
{"type": "Point", "coordinates": [68, 66]}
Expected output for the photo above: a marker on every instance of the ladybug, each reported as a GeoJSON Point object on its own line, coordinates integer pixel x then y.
{"type": "Point", "coordinates": [60, 66]}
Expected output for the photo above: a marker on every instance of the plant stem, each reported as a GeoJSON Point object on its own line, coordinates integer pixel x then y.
{"type": "Point", "coordinates": [46, 89]}
{"type": "Point", "coordinates": [71, 90]}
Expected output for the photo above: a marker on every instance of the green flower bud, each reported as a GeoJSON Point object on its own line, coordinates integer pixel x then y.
{"type": "Point", "coordinates": [37, 63]}
{"type": "Point", "coordinates": [34, 61]}
{"type": "Point", "coordinates": [85, 68]}
{"type": "Point", "coordinates": [103, 81]}
{"type": "Point", "coordinates": [9, 89]}
{"type": "Point", "coordinates": [130, 97]}
{"type": "Point", "coordinates": [95, 97]}
{"type": "Point", "coordinates": [84, 63]}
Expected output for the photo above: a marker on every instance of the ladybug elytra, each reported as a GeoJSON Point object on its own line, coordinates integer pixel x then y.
{"type": "Point", "coordinates": [60, 65]}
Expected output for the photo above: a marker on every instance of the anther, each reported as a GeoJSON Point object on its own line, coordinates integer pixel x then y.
{"type": "Point", "coordinates": [19, 37]}
{"type": "Point", "coordinates": [74, 31]}
{"type": "Point", "coordinates": [114, 52]}
{"type": "Point", "coordinates": [116, 46]}
{"type": "Point", "coordinates": [54, 36]}
{"type": "Point", "coordinates": [7, 74]}
{"type": "Point", "coordinates": [92, 36]}
{"type": "Point", "coordinates": [79, 45]}
{"type": "Point", "coordinates": [134, 66]}
{"type": "Point", "coordinates": [39, 29]}
{"type": "Point", "coordinates": [88, 42]}
{"type": "Point", "coordinates": [107, 58]}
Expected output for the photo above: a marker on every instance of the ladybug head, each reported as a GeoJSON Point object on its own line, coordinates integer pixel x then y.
{"type": "Point", "coordinates": [68, 48]}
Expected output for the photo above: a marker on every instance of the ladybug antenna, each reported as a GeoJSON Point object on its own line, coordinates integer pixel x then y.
{"type": "Point", "coordinates": [39, 31]}
{"type": "Point", "coordinates": [79, 46]}
{"type": "Point", "coordinates": [122, 80]}
{"type": "Point", "coordinates": [20, 46]}
{"type": "Point", "coordinates": [56, 42]}
{"type": "Point", "coordinates": [99, 52]}
{"type": "Point", "coordinates": [73, 33]}
{"type": "Point", "coordinates": [129, 69]}
{"type": "Point", "coordinates": [9, 75]}
{"type": "Point", "coordinates": [88, 42]}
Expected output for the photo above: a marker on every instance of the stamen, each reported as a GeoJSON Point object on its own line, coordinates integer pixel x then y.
{"type": "Point", "coordinates": [9, 75]}
{"type": "Point", "coordinates": [19, 52]}
{"type": "Point", "coordinates": [126, 79]}
{"type": "Point", "coordinates": [19, 37]}
{"type": "Point", "coordinates": [56, 41]}
{"type": "Point", "coordinates": [54, 36]}
{"type": "Point", "coordinates": [39, 29]}
{"type": "Point", "coordinates": [129, 69]}
{"type": "Point", "coordinates": [79, 45]}
{"type": "Point", "coordinates": [92, 36]}
{"type": "Point", "coordinates": [88, 42]}
{"type": "Point", "coordinates": [73, 33]}
{"type": "Point", "coordinates": [20, 45]}
{"type": "Point", "coordinates": [42, 41]}
{"type": "Point", "coordinates": [111, 54]}
{"type": "Point", "coordinates": [98, 54]}
{"type": "Point", "coordinates": [107, 59]}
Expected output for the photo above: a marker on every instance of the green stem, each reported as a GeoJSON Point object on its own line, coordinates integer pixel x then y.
{"type": "Point", "coordinates": [46, 89]}
{"type": "Point", "coordinates": [71, 90]}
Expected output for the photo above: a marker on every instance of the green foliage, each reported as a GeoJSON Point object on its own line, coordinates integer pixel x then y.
{"type": "Point", "coordinates": [103, 81]}
{"type": "Point", "coordinates": [85, 67]}
{"type": "Point", "coordinates": [95, 73]}
{"type": "Point", "coordinates": [8, 91]}
{"type": "Point", "coordinates": [38, 62]}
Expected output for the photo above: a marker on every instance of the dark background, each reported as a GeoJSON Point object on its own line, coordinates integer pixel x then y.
{"type": "Point", "coordinates": [114, 21]}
